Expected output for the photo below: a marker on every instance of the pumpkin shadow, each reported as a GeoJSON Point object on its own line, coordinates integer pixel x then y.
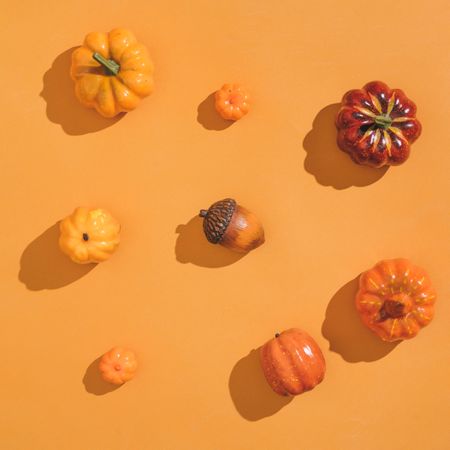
{"type": "Point", "coordinates": [193, 247]}
{"type": "Point", "coordinates": [44, 266]}
{"type": "Point", "coordinates": [63, 107]}
{"type": "Point", "coordinates": [345, 331]}
{"type": "Point", "coordinates": [209, 118]}
{"type": "Point", "coordinates": [251, 394]}
{"type": "Point", "coordinates": [327, 162]}
{"type": "Point", "coordinates": [94, 383]}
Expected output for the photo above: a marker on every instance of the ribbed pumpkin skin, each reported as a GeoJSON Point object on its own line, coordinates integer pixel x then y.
{"type": "Point", "coordinates": [232, 101]}
{"type": "Point", "coordinates": [118, 365]}
{"type": "Point", "coordinates": [395, 299]}
{"type": "Point", "coordinates": [292, 362]}
{"type": "Point", "coordinates": [89, 235]}
{"type": "Point", "coordinates": [112, 94]}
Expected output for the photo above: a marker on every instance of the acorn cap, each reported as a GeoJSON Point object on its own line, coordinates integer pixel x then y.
{"type": "Point", "coordinates": [217, 218]}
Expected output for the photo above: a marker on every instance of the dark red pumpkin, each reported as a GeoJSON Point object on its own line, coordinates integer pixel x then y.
{"type": "Point", "coordinates": [376, 125]}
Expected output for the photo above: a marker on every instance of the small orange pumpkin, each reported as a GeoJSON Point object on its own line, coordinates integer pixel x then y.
{"type": "Point", "coordinates": [118, 365]}
{"type": "Point", "coordinates": [89, 235]}
{"type": "Point", "coordinates": [232, 101]}
{"type": "Point", "coordinates": [395, 299]}
{"type": "Point", "coordinates": [292, 362]}
{"type": "Point", "coordinates": [112, 72]}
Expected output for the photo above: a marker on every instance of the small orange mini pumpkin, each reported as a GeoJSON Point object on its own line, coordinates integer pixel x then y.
{"type": "Point", "coordinates": [118, 365]}
{"type": "Point", "coordinates": [395, 299]}
{"type": "Point", "coordinates": [232, 101]}
{"type": "Point", "coordinates": [89, 235]}
{"type": "Point", "coordinates": [112, 72]}
{"type": "Point", "coordinates": [292, 362]}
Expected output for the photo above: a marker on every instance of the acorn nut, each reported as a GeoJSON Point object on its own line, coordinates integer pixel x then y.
{"type": "Point", "coordinates": [233, 226]}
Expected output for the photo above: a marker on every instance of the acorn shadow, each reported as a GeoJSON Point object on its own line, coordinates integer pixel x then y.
{"type": "Point", "coordinates": [193, 247]}
{"type": "Point", "coordinates": [251, 394]}
{"type": "Point", "coordinates": [63, 108]}
{"type": "Point", "coordinates": [209, 118]}
{"type": "Point", "coordinates": [44, 266]}
{"type": "Point", "coordinates": [345, 331]}
{"type": "Point", "coordinates": [327, 162]}
{"type": "Point", "coordinates": [94, 383]}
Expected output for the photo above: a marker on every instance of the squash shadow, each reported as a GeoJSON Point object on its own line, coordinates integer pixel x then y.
{"type": "Point", "coordinates": [345, 331]}
{"type": "Point", "coordinates": [251, 394]}
{"type": "Point", "coordinates": [94, 383]}
{"type": "Point", "coordinates": [209, 118]}
{"type": "Point", "coordinates": [327, 162]}
{"type": "Point", "coordinates": [193, 247]}
{"type": "Point", "coordinates": [63, 107]}
{"type": "Point", "coordinates": [44, 266]}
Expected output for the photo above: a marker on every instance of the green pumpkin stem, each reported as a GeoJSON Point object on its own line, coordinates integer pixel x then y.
{"type": "Point", "coordinates": [383, 121]}
{"type": "Point", "coordinates": [111, 67]}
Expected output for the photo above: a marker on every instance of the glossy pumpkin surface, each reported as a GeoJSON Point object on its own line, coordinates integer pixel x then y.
{"type": "Point", "coordinates": [112, 72]}
{"type": "Point", "coordinates": [118, 365]}
{"type": "Point", "coordinates": [376, 125]}
{"type": "Point", "coordinates": [89, 235]}
{"type": "Point", "coordinates": [292, 362]}
{"type": "Point", "coordinates": [395, 299]}
{"type": "Point", "coordinates": [232, 101]}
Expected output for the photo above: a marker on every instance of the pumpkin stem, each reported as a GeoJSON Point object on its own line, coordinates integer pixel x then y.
{"type": "Point", "coordinates": [383, 121]}
{"type": "Point", "coordinates": [110, 66]}
{"type": "Point", "coordinates": [203, 213]}
{"type": "Point", "coordinates": [277, 335]}
{"type": "Point", "coordinates": [393, 309]}
{"type": "Point", "coordinates": [85, 237]}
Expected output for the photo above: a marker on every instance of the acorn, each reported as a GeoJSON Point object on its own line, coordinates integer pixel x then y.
{"type": "Point", "coordinates": [233, 226]}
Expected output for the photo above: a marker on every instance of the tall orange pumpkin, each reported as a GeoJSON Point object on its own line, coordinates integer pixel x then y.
{"type": "Point", "coordinates": [395, 299]}
{"type": "Point", "coordinates": [292, 362]}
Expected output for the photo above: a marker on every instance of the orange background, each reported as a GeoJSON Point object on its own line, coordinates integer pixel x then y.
{"type": "Point", "coordinates": [193, 312]}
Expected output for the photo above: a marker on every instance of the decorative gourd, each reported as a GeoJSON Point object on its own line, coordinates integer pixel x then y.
{"type": "Point", "coordinates": [376, 125]}
{"type": "Point", "coordinates": [89, 235]}
{"type": "Point", "coordinates": [112, 72]}
{"type": "Point", "coordinates": [292, 362]}
{"type": "Point", "coordinates": [118, 365]}
{"type": "Point", "coordinates": [233, 226]}
{"type": "Point", "coordinates": [232, 101]}
{"type": "Point", "coordinates": [395, 299]}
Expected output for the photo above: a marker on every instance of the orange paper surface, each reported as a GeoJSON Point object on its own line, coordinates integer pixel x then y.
{"type": "Point", "coordinates": [194, 313]}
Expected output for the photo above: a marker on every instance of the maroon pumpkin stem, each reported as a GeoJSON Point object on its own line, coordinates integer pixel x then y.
{"type": "Point", "coordinates": [392, 309]}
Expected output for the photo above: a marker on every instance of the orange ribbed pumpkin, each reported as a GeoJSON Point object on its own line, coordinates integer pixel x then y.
{"type": "Point", "coordinates": [395, 299]}
{"type": "Point", "coordinates": [118, 365]}
{"type": "Point", "coordinates": [232, 101]}
{"type": "Point", "coordinates": [292, 362]}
